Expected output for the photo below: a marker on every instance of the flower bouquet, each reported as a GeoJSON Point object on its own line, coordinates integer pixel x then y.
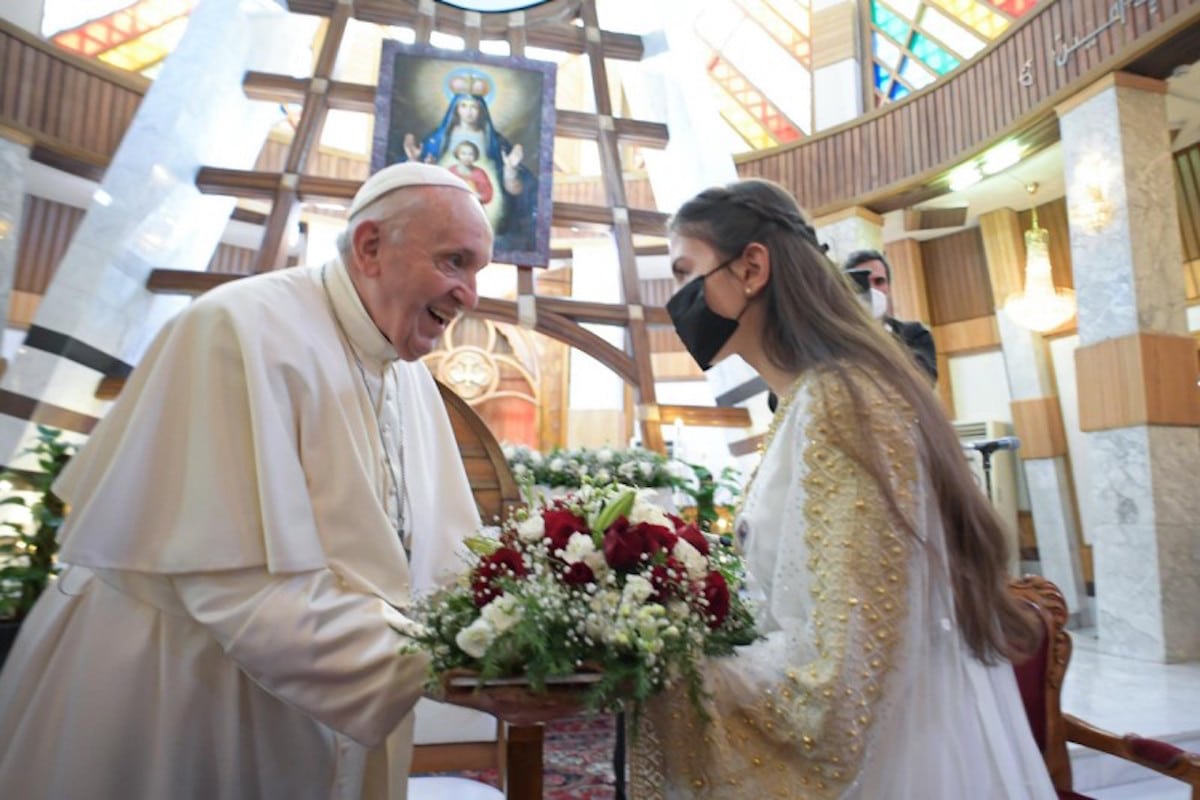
{"type": "Point", "coordinates": [598, 593]}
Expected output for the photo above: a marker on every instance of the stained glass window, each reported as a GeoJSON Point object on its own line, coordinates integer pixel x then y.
{"type": "Point", "coordinates": [760, 56]}
{"type": "Point", "coordinates": [136, 38]}
{"type": "Point", "coordinates": [914, 42]}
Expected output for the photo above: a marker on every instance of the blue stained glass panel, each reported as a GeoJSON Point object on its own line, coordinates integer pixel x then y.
{"type": "Point", "coordinates": [882, 76]}
{"type": "Point", "coordinates": [898, 90]}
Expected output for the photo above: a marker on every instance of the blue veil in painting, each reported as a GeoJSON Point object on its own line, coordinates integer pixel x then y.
{"type": "Point", "coordinates": [513, 210]}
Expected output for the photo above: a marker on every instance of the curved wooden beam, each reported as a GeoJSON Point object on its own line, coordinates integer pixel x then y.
{"type": "Point", "coordinates": [900, 154]}
{"type": "Point", "coordinates": [564, 330]}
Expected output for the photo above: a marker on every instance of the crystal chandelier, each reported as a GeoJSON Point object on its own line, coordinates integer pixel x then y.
{"type": "Point", "coordinates": [1041, 306]}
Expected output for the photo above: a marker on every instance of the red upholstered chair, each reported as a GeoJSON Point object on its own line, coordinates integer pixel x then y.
{"type": "Point", "coordinates": [1040, 679]}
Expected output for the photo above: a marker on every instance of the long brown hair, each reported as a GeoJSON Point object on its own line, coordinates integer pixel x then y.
{"type": "Point", "coordinates": [814, 320]}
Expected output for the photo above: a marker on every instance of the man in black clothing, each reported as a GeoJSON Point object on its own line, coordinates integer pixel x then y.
{"type": "Point", "coordinates": [875, 273]}
{"type": "Point", "coordinates": [915, 336]}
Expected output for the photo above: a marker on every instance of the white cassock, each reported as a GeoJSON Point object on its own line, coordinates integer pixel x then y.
{"type": "Point", "coordinates": [224, 628]}
{"type": "Point", "coordinates": [863, 688]}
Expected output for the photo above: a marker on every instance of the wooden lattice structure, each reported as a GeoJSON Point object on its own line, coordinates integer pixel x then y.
{"type": "Point", "coordinates": [566, 25]}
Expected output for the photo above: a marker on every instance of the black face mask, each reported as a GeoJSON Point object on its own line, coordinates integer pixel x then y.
{"type": "Point", "coordinates": [703, 331]}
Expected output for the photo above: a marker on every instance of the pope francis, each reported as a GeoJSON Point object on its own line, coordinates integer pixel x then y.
{"type": "Point", "coordinates": [248, 523]}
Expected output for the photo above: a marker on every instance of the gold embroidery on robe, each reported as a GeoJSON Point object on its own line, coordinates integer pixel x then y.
{"type": "Point", "coordinates": [806, 735]}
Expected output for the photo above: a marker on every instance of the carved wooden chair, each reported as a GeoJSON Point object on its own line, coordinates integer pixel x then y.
{"type": "Point", "coordinates": [1041, 678]}
{"type": "Point", "coordinates": [455, 739]}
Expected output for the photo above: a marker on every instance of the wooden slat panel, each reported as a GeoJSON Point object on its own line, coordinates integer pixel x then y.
{"type": "Point", "coordinates": [60, 97]}
{"type": "Point", "coordinates": [1053, 217]}
{"type": "Point", "coordinates": [46, 231]}
{"type": "Point", "coordinates": [231, 260]}
{"type": "Point", "coordinates": [1187, 196]}
{"type": "Point", "coordinates": [987, 101]}
{"type": "Point", "coordinates": [965, 336]}
{"type": "Point", "coordinates": [956, 276]}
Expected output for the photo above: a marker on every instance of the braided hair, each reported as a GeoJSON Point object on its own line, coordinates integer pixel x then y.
{"type": "Point", "coordinates": [813, 320]}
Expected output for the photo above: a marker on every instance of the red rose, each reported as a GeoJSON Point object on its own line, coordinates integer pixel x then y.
{"type": "Point", "coordinates": [692, 535]}
{"type": "Point", "coordinates": [503, 562]}
{"type": "Point", "coordinates": [716, 593]}
{"type": "Point", "coordinates": [625, 544]}
{"type": "Point", "coordinates": [578, 574]}
{"type": "Point", "coordinates": [676, 521]}
{"type": "Point", "coordinates": [622, 546]}
{"type": "Point", "coordinates": [560, 525]}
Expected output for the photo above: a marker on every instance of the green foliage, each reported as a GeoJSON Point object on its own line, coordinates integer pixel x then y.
{"type": "Point", "coordinates": [704, 493]}
{"type": "Point", "coordinates": [27, 551]}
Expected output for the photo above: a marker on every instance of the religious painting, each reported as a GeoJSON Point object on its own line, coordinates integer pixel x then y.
{"type": "Point", "coordinates": [487, 119]}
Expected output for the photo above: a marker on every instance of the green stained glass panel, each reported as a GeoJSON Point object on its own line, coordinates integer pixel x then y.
{"type": "Point", "coordinates": [931, 55]}
{"type": "Point", "coordinates": [888, 22]}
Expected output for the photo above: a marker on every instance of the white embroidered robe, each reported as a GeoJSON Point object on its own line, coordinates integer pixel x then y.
{"type": "Point", "coordinates": [863, 687]}
{"type": "Point", "coordinates": [225, 629]}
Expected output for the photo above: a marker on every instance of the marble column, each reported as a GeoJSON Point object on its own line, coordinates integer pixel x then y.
{"type": "Point", "coordinates": [848, 230]}
{"type": "Point", "coordinates": [97, 318]}
{"type": "Point", "coordinates": [1136, 368]}
{"type": "Point", "coordinates": [1036, 418]}
{"type": "Point", "coordinates": [14, 158]}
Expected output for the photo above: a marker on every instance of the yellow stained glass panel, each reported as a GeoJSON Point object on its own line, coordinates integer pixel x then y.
{"type": "Point", "coordinates": [976, 15]}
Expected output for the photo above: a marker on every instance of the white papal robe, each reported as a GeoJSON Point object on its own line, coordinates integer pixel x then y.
{"type": "Point", "coordinates": [863, 687]}
{"type": "Point", "coordinates": [225, 626]}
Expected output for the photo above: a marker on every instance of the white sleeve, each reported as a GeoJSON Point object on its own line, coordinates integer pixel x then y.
{"type": "Point", "coordinates": [317, 646]}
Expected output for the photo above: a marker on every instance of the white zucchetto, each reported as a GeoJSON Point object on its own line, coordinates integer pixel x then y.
{"type": "Point", "coordinates": [398, 176]}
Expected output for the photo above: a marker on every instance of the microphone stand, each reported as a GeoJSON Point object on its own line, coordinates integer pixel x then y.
{"type": "Point", "coordinates": [986, 455]}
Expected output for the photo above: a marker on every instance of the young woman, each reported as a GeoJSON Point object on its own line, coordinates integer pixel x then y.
{"type": "Point", "coordinates": [884, 669]}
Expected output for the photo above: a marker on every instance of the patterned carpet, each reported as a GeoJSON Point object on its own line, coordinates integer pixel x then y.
{"type": "Point", "coordinates": [578, 759]}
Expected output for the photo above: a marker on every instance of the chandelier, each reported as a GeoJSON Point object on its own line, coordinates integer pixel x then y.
{"type": "Point", "coordinates": [1040, 306]}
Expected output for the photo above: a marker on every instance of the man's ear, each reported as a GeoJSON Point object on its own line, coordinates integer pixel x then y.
{"type": "Point", "coordinates": [366, 241]}
{"type": "Point", "coordinates": [756, 259]}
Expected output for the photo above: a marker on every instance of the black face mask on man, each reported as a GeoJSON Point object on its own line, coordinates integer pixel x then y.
{"type": "Point", "coordinates": [703, 331]}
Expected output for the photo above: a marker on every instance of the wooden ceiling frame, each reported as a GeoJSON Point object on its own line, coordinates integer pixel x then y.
{"type": "Point", "coordinates": [285, 200]}
{"type": "Point", "coordinates": [553, 26]}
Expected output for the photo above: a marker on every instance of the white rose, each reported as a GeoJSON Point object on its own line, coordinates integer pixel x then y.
{"type": "Point", "coordinates": [637, 590]}
{"type": "Point", "coordinates": [532, 529]}
{"type": "Point", "coordinates": [476, 638]}
{"type": "Point", "coordinates": [604, 456]}
{"type": "Point", "coordinates": [644, 511]}
{"type": "Point", "coordinates": [603, 475]}
{"type": "Point", "coordinates": [520, 469]}
{"type": "Point", "coordinates": [579, 546]}
{"type": "Point", "coordinates": [692, 559]}
{"type": "Point", "coordinates": [595, 560]}
{"type": "Point", "coordinates": [647, 469]}
{"type": "Point", "coordinates": [556, 465]}
{"type": "Point", "coordinates": [508, 450]}
{"type": "Point", "coordinates": [535, 457]}
{"type": "Point", "coordinates": [502, 613]}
